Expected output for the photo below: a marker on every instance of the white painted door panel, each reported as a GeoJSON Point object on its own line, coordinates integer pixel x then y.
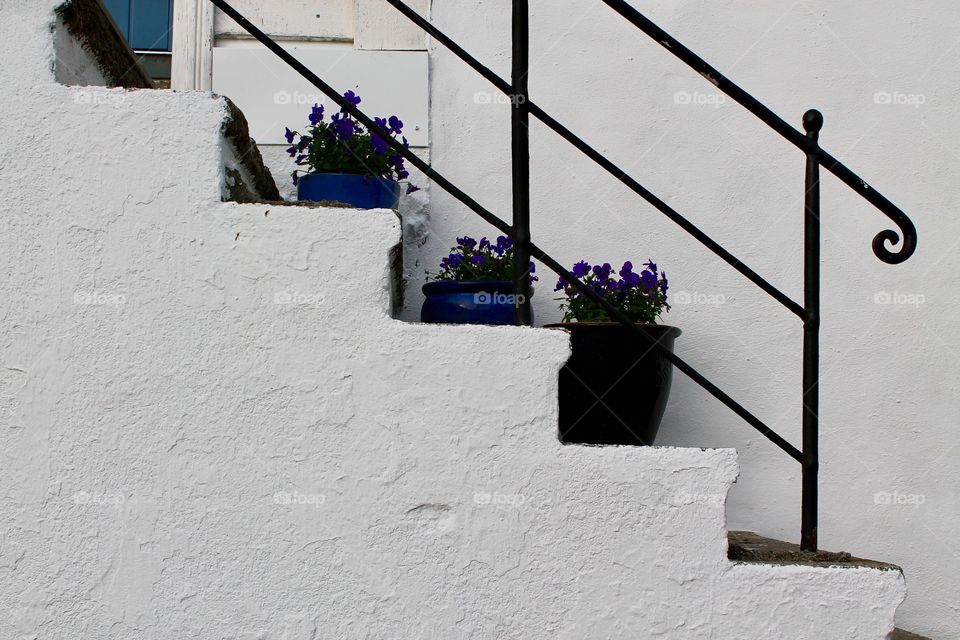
{"type": "Point", "coordinates": [317, 19]}
{"type": "Point", "coordinates": [381, 27]}
{"type": "Point", "coordinates": [272, 95]}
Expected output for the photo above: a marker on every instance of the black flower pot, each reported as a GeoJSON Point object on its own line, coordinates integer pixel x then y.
{"type": "Point", "coordinates": [614, 388]}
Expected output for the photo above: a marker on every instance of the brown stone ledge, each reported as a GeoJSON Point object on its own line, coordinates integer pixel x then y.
{"type": "Point", "coordinates": [258, 182]}
{"type": "Point", "coordinates": [746, 546]}
{"type": "Point", "coordinates": [89, 22]}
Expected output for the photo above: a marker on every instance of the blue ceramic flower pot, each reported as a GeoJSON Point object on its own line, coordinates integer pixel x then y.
{"type": "Point", "coordinates": [468, 302]}
{"type": "Point", "coordinates": [362, 192]}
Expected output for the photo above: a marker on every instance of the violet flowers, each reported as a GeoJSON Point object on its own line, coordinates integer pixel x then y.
{"type": "Point", "coordinates": [641, 296]}
{"type": "Point", "coordinates": [483, 260]}
{"type": "Point", "coordinates": [342, 145]}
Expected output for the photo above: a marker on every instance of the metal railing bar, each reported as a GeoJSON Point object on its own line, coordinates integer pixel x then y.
{"type": "Point", "coordinates": [535, 251]}
{"type": "Point", "coordinates": [668, 211]}
{"type": "Point", "coordinates": [331, 93]}
{"type": "Point", "coordinates": [812, 123]}
{"type": "Point", "coordinates": [520, 162]}
{"type": "Point", "coordinates": [908, 233]}
{"type": "Point", "coordinates": [597, 157]}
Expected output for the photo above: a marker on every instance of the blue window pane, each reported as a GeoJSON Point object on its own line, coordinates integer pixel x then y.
{"type": "Point", "coordinates": [120, 9]}
{"type": "Point", "coordinates": [150, 24]}
{"type": "Point", "coordinates": [145, 23]}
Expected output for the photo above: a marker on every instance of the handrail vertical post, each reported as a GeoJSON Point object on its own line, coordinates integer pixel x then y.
{"type": "Point", "coordinates": [520, 134]}
{"type": "Point", "coordinates": [812, 123]}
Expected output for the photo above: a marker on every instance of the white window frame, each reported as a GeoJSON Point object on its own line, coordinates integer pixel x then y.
{"type": "Point", "coordinates": [194, 37]}
{"type": "Point", "coordinates": [192, 66]}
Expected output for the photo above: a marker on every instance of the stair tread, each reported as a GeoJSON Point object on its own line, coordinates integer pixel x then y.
{"type": "Point", "coordinates": [747, 546]}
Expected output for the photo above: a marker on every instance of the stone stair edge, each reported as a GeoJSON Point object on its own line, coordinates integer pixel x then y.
{"type": "Point", "coordinates": [750, 547]}
{"type": "Point", "coordinates": [91, 24]}
{"type": "Point", "coordinates": [900, 634]}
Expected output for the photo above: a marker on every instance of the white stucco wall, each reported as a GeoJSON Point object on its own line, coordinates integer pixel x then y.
{"type": "Point", "coordinates": [213, 428]}
{"type": "Point", "coordinates": [885, 76]}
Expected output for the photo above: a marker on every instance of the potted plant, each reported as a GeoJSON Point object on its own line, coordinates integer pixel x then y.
{"type": "Point", "coordinates": [614, 388]}
{"type": "Point", "coordinates": [345, 162]}
{"type": "Point", "coordinates": [474, 284]}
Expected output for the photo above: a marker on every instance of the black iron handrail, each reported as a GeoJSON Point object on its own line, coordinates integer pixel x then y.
{"type": "Point", "coordinates": [778, 124]}
{"type": "Point", "coordinates": [522, 108]}
{"type": "Point", "coordinates": [596, 156]}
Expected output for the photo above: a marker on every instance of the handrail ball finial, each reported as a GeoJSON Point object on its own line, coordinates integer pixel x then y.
{"type": "Point", "coordinates": [813, 121]}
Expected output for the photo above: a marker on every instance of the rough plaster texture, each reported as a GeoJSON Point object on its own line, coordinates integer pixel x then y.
{"type": "Point", "coordinates": [414, 210]}
{"type": "Point", "coordinates": [211, 427]}
{"type": "Point", "coordinates": [884, 74]}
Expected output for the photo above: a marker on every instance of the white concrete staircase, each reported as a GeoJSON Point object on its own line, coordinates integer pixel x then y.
{"type": "Point", "coordinates": [212, 427]}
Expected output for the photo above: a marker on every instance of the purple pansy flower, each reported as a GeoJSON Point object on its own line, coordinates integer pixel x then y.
{"type": "Point", "coordinates": [344, 128]}
{"type": "Point", "coordinates": [642, 297]}
{"type": "Point", "coordinates": [481, 260]}
{"type": "Point", "coordinates": [379, 144]}
{"type": "Point", "coordinates": [602, 271]}
{"type": "Point", "coordinates": [648, 279]}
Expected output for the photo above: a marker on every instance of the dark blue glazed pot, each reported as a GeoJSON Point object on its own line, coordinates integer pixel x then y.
{"type": "Point", "coordinates": [468, 302]}
{"type": "Point", "coordinates": [362, 192]}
